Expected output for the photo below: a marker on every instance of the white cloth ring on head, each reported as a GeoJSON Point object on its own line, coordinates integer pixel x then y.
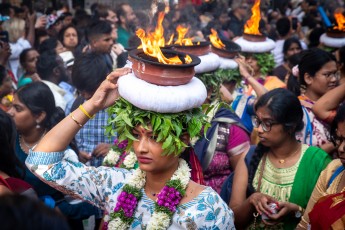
{"type": "Point", "coordinates": [162, 99]}
{"type": "Point", "coordinates": [255, 47]}
{"type": "Point", "coordinates": [209, 62]}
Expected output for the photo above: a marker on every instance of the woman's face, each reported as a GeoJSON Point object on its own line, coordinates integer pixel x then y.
{"type": "Point", "coordinates": [276, 134]}
{"type": "Point", "coordinates": [30, 61]}
{"type": "Point", "coordinates": [149, 152]}
{"type": "Point", "coordinates": [59, 48]}
{"type": "Point", "coordinates": [70, 38]}
{"type": "Point", "coordinates": [324, 80]}
{"type": "Point", "coordinates": [293, 49]}
{"type": "Point", "coordinates": [341, 140]}
{"type": "Point", "coordinates": [23, 118]}
{"type": "Point", "coordinates": [252, 62]}
{"type": "Point", "coordinates": [6, 85]}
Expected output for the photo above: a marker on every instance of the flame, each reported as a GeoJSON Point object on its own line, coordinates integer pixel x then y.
{"type": "Point", "coordinates": [216, 42]}
{"type": "Point", "coordinates": [152, 42]}
{"type": "Point", "coordinates": [252, 25]}
{"type": "Point", "coordinates": [339, 17]}
{"type": "Point", "coordinates": [170, 40]}
{"type": "Point", "coordinates": [182, 31]}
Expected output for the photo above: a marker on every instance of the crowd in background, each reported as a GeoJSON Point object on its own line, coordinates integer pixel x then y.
{"type": "Point", "coordinates": [53, 60]}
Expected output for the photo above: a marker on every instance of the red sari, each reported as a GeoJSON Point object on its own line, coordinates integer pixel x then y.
{"type": "Point", "coordinates": [328, 212]}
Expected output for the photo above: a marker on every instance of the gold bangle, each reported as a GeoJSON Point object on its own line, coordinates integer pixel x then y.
{"type": "Point", "coordinates": [81, 107]}
{"type": "Point", "coordinates": [75, 120]}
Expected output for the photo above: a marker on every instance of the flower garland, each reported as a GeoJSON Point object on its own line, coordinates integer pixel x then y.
{"type": "Point", "coordinates": [118, 157]}
{"type": "Point", "coordinates": [165, 205]}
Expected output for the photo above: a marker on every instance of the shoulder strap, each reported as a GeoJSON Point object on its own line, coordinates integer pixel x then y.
{"type": "Point", "coordinates": [5, 183]}
{"type": "Point", "coordinates": [335, 174]}
{"type": "Point", "coordinates": [308, 128]}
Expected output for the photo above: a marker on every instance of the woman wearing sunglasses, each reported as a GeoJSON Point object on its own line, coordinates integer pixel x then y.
{"type": "Point", "coordinates": [273, 189]}
{"type": "Point", "coordinates": [326, 207]}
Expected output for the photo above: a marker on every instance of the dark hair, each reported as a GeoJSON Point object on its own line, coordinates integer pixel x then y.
{"type": "Point", "coordinates": [63, 30]}
{"type": "Point", "coordinates": [288, 42]}
{"type": "Point", "coordinates": [120, 11]}
{"type": "Point", "coordinates": [339, 117]}
{"type": "Point", "coordinates": [89, 70]}
{"type": "Point", "coordinates": [283, 26]}
{"type": "Point", "coordinates": [98, 28]}
{"type": "Point", "coordinates": [312, 61]}
{"type": "Point", "coordinates": [39, 98]}
{"type": "Point", "coordinates": [101, 11]}
{"type": "Point", "coordinates": [342, 55]}
{"type": "Point", "coordinates": [284, 107]}
{"type": "Point", "coordinates": [22, 56]}
{"type": "Point", "coordinates": [293, 83]}
{"type": "Point", "coordinates": [3, 74]}
{"type": "Point", "coordinates": [48, 45]}
{"type": "Point", "coordinates": [46, 63]}
{"type": "Point", "coordinates": [38, 34]}
{"type": "Point", "coordinates": [314, 37]}
{"type": "Point", "coordinates": [21, 212]}
{"type": "Point", "coordinates": [9, 163]}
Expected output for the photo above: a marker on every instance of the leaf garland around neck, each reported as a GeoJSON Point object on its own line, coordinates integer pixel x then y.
{"type": "Point", "coordinates": [167, 128]}
{"type": "Point", "coordinates": [213, 80]}
{"type": "Point", "coordinates": [265, 61]}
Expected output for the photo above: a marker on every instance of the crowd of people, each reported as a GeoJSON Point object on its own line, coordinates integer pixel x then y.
{"type": "Point", "coordinates": [257, 145]}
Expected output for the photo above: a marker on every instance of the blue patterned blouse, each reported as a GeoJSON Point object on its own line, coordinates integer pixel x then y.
{"type": "Point", "coordinates": [102, 185]}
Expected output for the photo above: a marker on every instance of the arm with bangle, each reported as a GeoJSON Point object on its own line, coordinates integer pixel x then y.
{"type": "Point", "coordinates": [65, 131]}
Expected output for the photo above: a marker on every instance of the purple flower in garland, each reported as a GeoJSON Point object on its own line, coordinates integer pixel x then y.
{"type": "Point", "coordinates": [123, 144]}
{"type": "Point", "coordinates": [169, 197]}
{"type": "Point", "coordinates": [127, 203]}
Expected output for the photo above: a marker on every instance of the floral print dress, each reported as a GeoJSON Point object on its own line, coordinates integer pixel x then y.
{"type": "Point", "coordinates": [101, 186]}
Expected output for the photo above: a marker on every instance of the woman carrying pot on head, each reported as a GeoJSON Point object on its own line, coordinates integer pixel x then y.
{"type": "Point", "coordinates": [274, 183]}
{"type": "Point", "coordinates": [157, 195]}
{"type": "Point", "coordinates": [325, 208]}
{"type": "Point", "coordinates": [34, 113]}
{"type": "Point", "coordinates": [318, 73]}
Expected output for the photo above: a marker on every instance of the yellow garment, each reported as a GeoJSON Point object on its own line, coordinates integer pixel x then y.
{"type": "Point", "coordinates": [321, 189]}
{"type": "Point", "coordinates": [277, 182]}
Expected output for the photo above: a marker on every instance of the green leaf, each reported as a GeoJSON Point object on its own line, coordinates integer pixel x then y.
{"type": "Point", "coordinates": [167, 142]}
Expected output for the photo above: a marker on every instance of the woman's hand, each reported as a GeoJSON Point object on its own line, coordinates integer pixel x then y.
{"type": "Point", "coordinates": [285, 208]}
{"type": "Point", "coordinates": [260, 201]}
{"type": "Point", "coordinates": [107, 93]}
{"type": "Point", "coordinates": [245, 70]}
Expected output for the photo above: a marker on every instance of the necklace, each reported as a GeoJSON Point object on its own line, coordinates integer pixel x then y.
{"type": "Point", "coordinates": [21, 140]}
{"type": "Point", "coordinates": [165, 205]}
{"type": "Point", "coordinates": [282, 161]}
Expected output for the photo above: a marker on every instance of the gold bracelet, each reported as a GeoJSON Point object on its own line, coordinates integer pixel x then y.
{"type": "Point", "coordinates": [75, 120]}
{"type": "Point", "coordinates": [81, 107]}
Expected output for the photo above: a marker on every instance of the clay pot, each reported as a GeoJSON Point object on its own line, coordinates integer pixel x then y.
{"type": "Point", "coordinates": [254, 38]}
{"type": "Point", "coordinates": [335, 33]}
{"type": "Point", "coordinates": [230, 51]}
{"type": "Point", "coordinates": [196, 49]}
{"type": "Point", "coordinates": [149, 69]}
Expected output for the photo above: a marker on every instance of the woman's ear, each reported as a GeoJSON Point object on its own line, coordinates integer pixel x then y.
{"type": "Point", "coordinates": [308, 79]}
{"type": "Point", "coordinates": [185, 138]}
{"type": "Point", "coordinates": [40, 117]}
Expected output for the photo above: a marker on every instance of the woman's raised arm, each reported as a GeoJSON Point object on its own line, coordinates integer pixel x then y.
{"type": "Point", "coordinates": [59, 137]}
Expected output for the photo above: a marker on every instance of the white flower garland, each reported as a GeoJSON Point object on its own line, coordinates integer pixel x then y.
{"type": "Point", "coordinates": [112, 158]}
{"type": "Point", "coordinates": [159, 219]}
